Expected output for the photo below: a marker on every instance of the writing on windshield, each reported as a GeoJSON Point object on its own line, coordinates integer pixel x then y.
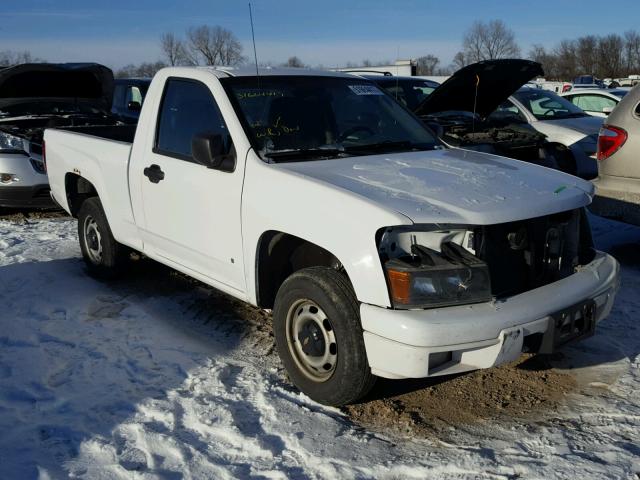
{"type": "Point", "coordinates": [333, 114]}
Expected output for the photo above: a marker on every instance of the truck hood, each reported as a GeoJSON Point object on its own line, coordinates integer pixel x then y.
{"type": "Point", "coordinates": [87, 83]}
{"type": "Point", "coordinates": [496, 80]}
{"type": "Point", "coordinates": [452, 186]}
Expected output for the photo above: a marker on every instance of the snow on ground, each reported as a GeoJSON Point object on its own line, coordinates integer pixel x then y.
{"type": "Point", "coordinates": [158, 377]}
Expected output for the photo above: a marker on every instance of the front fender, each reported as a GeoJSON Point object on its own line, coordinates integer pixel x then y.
{"type": "Point", "coordinates": [338, 221]}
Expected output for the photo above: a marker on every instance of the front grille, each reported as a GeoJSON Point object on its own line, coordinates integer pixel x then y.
{"type": "Point", "coordinates": [532, 253]}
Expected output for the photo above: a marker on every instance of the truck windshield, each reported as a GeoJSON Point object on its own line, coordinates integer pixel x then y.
{"type": "Point", "coordinates": [293, 118]}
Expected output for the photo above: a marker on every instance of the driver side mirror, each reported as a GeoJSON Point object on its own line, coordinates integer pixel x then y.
{"type": "Point", "coordinates": [214, 151]}
{"type": "Point", "coordinates": [134, 106]}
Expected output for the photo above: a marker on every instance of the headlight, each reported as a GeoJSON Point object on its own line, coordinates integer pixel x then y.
{"type": "Point", "coordinates": [428, 279]}
{"type": "Point", "coordinates": [11, 143]}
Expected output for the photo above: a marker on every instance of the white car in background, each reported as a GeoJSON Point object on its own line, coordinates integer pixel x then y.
{"type": "Point", "coordinates": [573, 131]}
{"type": "Point", "coordinates": [598, 103]}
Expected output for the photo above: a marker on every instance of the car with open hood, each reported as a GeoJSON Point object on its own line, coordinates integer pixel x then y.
{"type": "Point", "coordinates": [36, 96]}
{"type": "Point", "coordinates": [458, 110]}
{"type": "Point", "coordinates": [485, 107]}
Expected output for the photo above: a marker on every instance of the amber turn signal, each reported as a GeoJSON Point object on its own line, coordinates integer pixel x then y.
{"type": "Point", "coordinates": [400, 286]}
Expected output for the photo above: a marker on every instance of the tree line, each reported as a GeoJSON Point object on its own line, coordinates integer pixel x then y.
{"type": "Point", "coordinates": [9, 58]}
{"type": "Point", "coordinates": [605, 56]}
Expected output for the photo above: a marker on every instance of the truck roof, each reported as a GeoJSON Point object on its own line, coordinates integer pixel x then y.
{"type": "Point", "coordinates": [250, 71]}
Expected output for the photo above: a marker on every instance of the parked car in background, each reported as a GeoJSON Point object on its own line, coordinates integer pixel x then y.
{"type": "Point", "coordinates": [409, 91]}
{"type": "Point", "coordinates": [587, 81]}
{"type": "Point", "coordinates": [36, 96]}
{"type": "Point", "coordinates": [381, 252]}
{"type": "Point", "coordinates": [618, 182]}
{"type": "Point", "coordinates": [448, 109]}
{"type": "Point", "coordinates": [573, 132]}
{"type": "Point", "coordinates": [596, 102]}
{"type": "Point", "coordinates": [128, 96]}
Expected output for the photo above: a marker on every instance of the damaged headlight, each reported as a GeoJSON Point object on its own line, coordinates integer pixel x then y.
{"type": "Point", "coordinates": [426, 278]}
{"type": "Point", "coordinates": [10, 143]}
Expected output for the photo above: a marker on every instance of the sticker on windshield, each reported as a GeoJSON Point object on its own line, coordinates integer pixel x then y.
{"type": "Point", "coordinates": [365, 90]}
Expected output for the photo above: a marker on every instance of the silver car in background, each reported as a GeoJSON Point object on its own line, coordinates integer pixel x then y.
{"type": "Point", "coordinates": [618, 182]}
{"type": "Point", "coordinates": [567, 126]}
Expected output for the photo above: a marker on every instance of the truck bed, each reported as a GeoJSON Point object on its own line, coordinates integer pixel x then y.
{"type": "Point", "coordinates": [100, 155]}
{"type": "Point", "coordinates": [119, 133]}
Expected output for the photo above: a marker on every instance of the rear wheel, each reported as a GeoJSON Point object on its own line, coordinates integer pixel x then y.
{"type": "Point", "coordinates": [319, 338]}
{"type": "Point", "coordinates": [105, 258]}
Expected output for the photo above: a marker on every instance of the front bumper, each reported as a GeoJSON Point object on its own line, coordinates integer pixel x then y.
{"type": "Point", "coordinates": [617, 198]}
{"type": "Point", "coordinates": [36, 196]}
{"type": "Point", "coordinates": [443, 341]}
{"type": "Point", "coordinates": [32, 188]}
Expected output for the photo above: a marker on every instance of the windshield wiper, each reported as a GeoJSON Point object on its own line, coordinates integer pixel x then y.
{"type": "Point", "coordinates": [305, 153]}
{"type": "Point", "coordinates": [389, 146]}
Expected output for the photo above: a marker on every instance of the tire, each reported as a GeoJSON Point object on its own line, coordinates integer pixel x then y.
{"type": "Point", "coordinates": [340, 373]}
{"type": "Point", "coordinates": [105, 258]}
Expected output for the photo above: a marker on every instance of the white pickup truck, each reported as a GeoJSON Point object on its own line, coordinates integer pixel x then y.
{"type": "Point", "coordinates": [316, 195]}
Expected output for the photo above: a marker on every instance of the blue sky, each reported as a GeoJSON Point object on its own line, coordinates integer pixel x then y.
{"type": "Point", "coordinates": [329, 32]}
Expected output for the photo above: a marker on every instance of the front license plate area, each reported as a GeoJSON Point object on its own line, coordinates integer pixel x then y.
{"type": "Point", "coordinates": [574, 323]}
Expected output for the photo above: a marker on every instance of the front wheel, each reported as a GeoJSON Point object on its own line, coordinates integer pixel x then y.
{"type": "Point", "coordinates": [104, 256]}
{"type": "Point", "coordinates": [319, 337]}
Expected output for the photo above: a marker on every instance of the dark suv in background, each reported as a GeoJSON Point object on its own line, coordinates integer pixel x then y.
{"type": "Point", "coordinates": [128, 95]}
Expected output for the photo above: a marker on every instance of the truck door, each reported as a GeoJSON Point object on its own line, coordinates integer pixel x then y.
{"type": "Point", "coordinates": [191, 212]}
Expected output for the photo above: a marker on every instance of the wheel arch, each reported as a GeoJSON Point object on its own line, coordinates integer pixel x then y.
{"type": "Point", "coordinates": [279, 254]}
{"type": "Point", "coordinates": [77, 190]}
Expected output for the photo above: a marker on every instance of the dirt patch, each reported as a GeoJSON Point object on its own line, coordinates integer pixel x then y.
{"type": "Point", "coordinates": [428, 407]}
{"type": "Point", "coordinates": [21, 215]}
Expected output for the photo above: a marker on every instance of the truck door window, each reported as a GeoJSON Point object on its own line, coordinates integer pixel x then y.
{"type": "Point", "coordinates": [187, 109]}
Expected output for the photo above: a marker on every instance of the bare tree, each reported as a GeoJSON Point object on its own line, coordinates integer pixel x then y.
{"type": "Point", "coordinates": [459, 61]}
{"type": "Point", "coordinates": [174, 50]}
{"type": "Point", "coordinates": [9, 58]}
{"type": "Point", "coordinates": [214, 45]}
{"type": "Point", "coordinates": [586, 51]}
{"type": "Point", "coordinates": [145, 70]}
{"type": "Point", "coordinates": [565, 54]}
{"type": "Point", "coordinates": [427, 64]}
{"type": "Point", "coordinates": [538, 53]}
{"type": "Point", "coordinates": [294, 62]}
{"type": "Point", "coordinates": [632, 52]}
{"type": "Point", "coordinates": [610, 54]}
{"type": "Point", "coordinates": [487, 41]}
{"type": "Point", "coordinates": [548, 61]}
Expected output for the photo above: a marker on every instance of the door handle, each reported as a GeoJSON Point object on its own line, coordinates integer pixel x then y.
{"type": "Point", "coordinates": [154, 173]}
